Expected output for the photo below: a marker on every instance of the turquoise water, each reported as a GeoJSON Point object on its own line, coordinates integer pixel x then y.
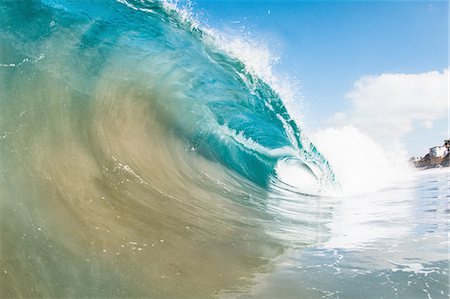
{"type": "Point", "coordinates": [205, 97]}
{"type": "Point", "coordinates": [139, 159]}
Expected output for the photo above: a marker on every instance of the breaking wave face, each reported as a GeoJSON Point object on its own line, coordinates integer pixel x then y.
{"type": "Point", "coordinates": [138, 158]}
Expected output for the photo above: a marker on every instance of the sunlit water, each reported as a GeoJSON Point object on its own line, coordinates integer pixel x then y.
{"type": "Point", "coordinates": [387, 244]}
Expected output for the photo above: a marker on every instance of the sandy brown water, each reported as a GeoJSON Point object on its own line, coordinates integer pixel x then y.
{"type": "Point", "coordinates": [99, 200]}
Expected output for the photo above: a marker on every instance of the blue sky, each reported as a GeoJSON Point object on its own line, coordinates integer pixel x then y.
{"type": "Point", "coordinates": [330, 45]}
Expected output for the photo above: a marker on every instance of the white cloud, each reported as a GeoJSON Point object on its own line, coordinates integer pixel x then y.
{"type": "Point", "coordinates": [388, 106]}
{"type": "Point", "coordinates": [428, 124]}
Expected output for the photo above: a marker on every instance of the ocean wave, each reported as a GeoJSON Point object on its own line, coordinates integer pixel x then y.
{"type": "Point", "coordinates": [133, 149]}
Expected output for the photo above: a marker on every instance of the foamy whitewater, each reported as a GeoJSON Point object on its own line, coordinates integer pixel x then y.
{"type": "Point", "coordinates": [143, 156]}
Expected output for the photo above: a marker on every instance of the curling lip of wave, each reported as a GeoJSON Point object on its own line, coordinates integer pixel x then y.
{"type": "Point", "coordinates": [206, 97]}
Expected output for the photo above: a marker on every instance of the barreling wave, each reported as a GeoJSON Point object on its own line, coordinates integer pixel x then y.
{"type": "Point", "coordinates": [128, 138]}
{"type": "Point", "coordinates": [208, 98]}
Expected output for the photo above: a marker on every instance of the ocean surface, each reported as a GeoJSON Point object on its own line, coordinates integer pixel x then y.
{"type": "Point", "coordinates": [140, 158]}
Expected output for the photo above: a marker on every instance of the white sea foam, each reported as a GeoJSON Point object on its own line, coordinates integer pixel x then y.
{"type": "Point", "coordinates": [361, 164]}
{"type": "Point", "coordinates": [260, 60]}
